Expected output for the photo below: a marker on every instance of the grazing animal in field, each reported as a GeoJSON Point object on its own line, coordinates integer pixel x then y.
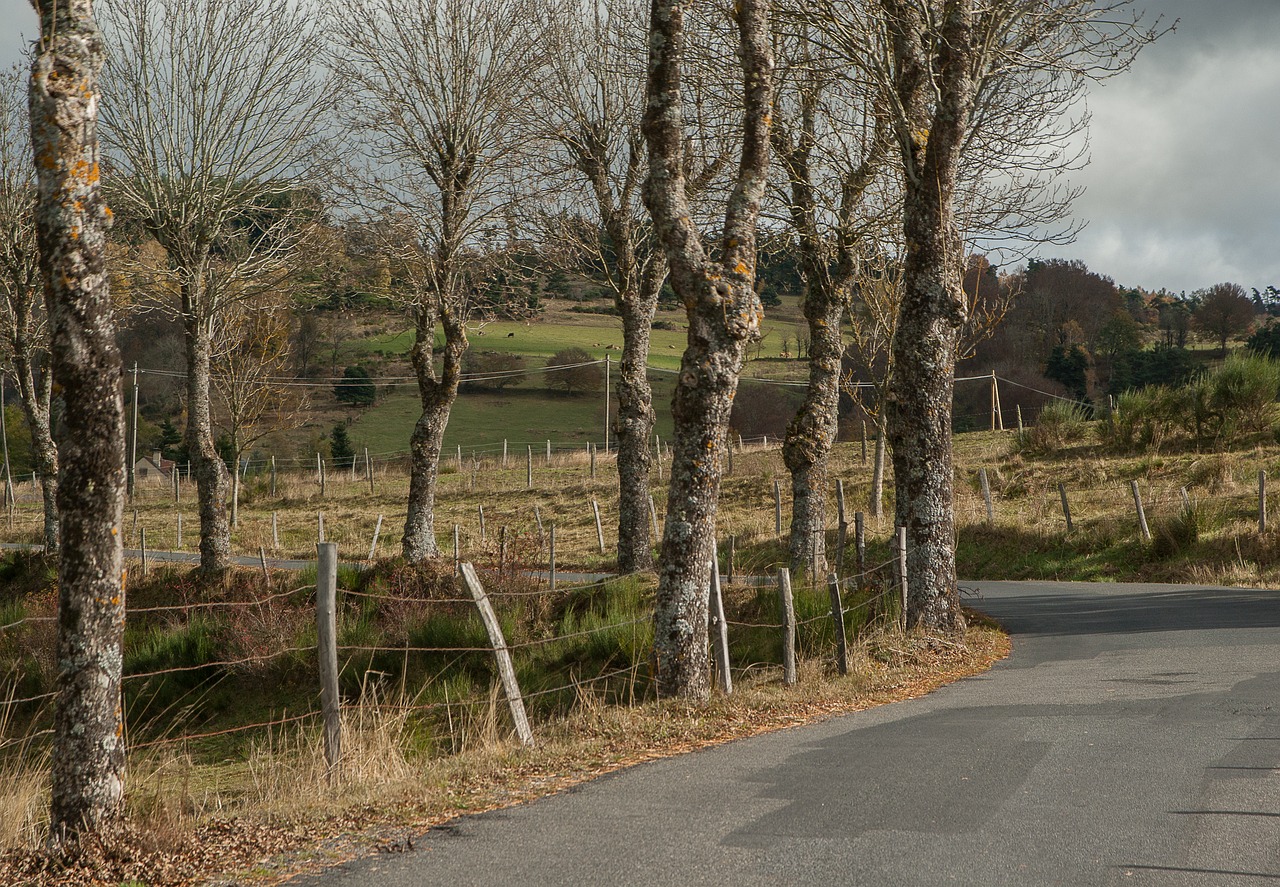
{"type": "Point", "coordinates": [511, 335]}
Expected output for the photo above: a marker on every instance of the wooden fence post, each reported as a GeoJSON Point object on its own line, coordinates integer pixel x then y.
{"type": "Point", "coordinates": [368, 469]}
{"type": "Point", "coordinates": [373, 549]}
{"type": "Point", "coordinates": [551, 558]}
{"type": "Point", "coordinates": [842, 527]}
{"type": "Point", "coordinates": [1142, 515]}
{"type": "Point", "coordinates": [322, 479]}
{"type": "Point", "coordinates": [548, 453]}
{"type": "Point", "coordinates": [729, 559]}
{"type": "Point", "coordinates": [595, 507]}
{"type": "Point", "coordinates": [502, 549]}
{"type": "Point", "coordinates": [720, 638]}
{"type": "Point", "coordinates": [591, 452]}
{"type": "Point", "coordinates": [327, 650]}
{"type": "Point", "coordinates": [864, 441]}
{"type": "Point", "coordinates": [143, 543]}
{"type": "Point", "coordinates": [262, 559]}
{"type": "Point", "coordinates": [777, 507]}
{"type": "Point", "coordinates": [1186, 501]}
{"type": "Point", "coordinates": [788, 610]}
{"type": "Point", "coordinates": [837, 621]}
{"type": "Point", "coordinates": [537, 518]}
{"type": "Point", "coordinates": [528, 477]}
{"type": "Point", "coordinates": [179, 545]}
{"type": "Point", "coordinates": [902, 571]}
{"type": "Point", "coordinates": [480, 511]}
{"type": "Point", "coordinates": [505, 670]}
{"type": "Point", "coordinates": [653, 517]}
{"type": "Point", "coordinates": [1262, 502]}
{"type": "Point", "coordinates": [275, 531]}
{"type": "Point", "coordinates": [1066, 506]}
{"type": "Point", "coordinates": [273, 477]}
{"type": "Point", "coordinates": [860, 546]}
{"type": "Point", "coordinates": [457, 549]}
{"type": "Point", "coordinates": [1018, 407]}
{"type": "Point", "coordinates": [986, 496]}
{"type": "Point", "coordinates": [504, 454]}
{"type": "Point", "coordinates": [319, 526]}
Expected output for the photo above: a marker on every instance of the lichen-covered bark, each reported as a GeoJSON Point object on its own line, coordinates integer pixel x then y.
{"type": "Point", "coordinates": [213, 480]}
{"type": "Point", "coordinates": [806, 449]}
{"type": "Point", "coordinates": [724, 317]}
{"type": "Point", "coordinates": [437, 393]}
{"type": "Point", "coordinates": [71, 219]}
{"type": "Point", "coordinates": [933, 79]}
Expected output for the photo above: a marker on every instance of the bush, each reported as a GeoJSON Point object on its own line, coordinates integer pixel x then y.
{"type": "Point", "coordinates": [583, 374]}
{"type": "Point", "coordinates": [356, 388]}
{"type": "Point", "coordinates": [1061, 423]}
{"type": "Point", "coordinates": [1242, 395]}
{"type": "Point", "coordinates": [1145, 419]}
{"type": "Point", "coordinates": [495, 370]}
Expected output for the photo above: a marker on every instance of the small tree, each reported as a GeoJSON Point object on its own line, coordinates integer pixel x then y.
{"type": "Point", "coordinates": [340, 446]}
{"type": "Point", "coordinates": [574, 370]}
{"type": "Point", "coordinates": [356, 388]}
{"type": "Point", "coordinates": [1225, 312]}
{"type": "Point", "coordinates": [492, 370]}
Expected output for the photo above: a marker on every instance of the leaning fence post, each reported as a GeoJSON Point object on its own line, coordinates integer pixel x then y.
{"type": "Point", "coordinates": [1066, 508]}
{"type": "Point", "coordinates": [902, 571]}
{"type": "Point", "coordinates": [1142, 515]}
{"type": "Point", "coordinates": [720, 640]}
{"type": "Point", "coordinates": [986, 496]}
{"type": "Point", "coordinates": [653, 516]}
{"type": "Point", "coordinates": [788, 628]}
{"type": "Point", "coordinates": [480, 512]}
{"type": "Point", "coordinates": [842, 527]}
{"type": "Point", "coordinates": [505, 670]}
{"type": "Point", "coordinates": [595, 507]}
{"type": "Point", "coordinates": [373, 549]}
{"type": "Point", "coordinates": [1186, 501]}
{"type": "Point", "coordinates": [837, 619]}
{"type": "Point", "coordinates": [327, 650]}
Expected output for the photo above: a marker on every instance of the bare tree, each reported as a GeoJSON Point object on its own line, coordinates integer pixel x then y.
{"type": "Point", "coordinates": [71, 222]}
{"type": "Point", "coordinates": [591, 104]}
{"type": "Point", "coordinates": [832, 147]}
{"type": "Point", "coordinates": [212, 109]}
{"type": "Point", "coordinates": [1001, 76]}
{"type": "Point", "coordinates": [433, 108]}
{"type": "Point", "coordinates": [250, 358]}
{"type": "Point", "coordinates": [22, 311]}
{"type": "Point", "coordinates": [724, 316]}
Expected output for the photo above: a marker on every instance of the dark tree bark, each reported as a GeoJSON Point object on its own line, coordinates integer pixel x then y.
{"type": "Point", "coordinates": [71, 223]}
{"type": "Point", "coordinates": [829, 264]}
{"type": "Point", "coordinates": [633, 427]}
{"type": "Point", "coordinates": [724, 317]}
{"type": "Point", "coordinates": [213, 480]}
{"type": "Point", "coordinates": [437, 392]}
{"type": "Point", "coordinates": [933, 64]}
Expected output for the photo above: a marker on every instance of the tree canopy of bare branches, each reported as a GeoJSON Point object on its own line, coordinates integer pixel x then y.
{"type": "Point", "coordinates": [433, 114]}
{"type": "Point", "coordinates": [22, 310]}
{"type": "Point", "coordinates": [212, 109]}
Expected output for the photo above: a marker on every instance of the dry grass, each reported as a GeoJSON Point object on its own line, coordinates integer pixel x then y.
{"type": "Point", "coordinates": [187, 821]}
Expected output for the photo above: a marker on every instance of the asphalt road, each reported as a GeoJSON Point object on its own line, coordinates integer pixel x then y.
{"type": "Point", "coordinates": [1133, 737]}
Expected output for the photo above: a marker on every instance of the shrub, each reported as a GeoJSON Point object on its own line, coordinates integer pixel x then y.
{"type": "Point", "coordinates": [1061, 423]}
{"type": "Point", "coordinates": [1145, 419]}
{"type": "Point", "coordinates": [492, 369]}
{"type": "Point", "coordinates": [1243, 395]}
{"type": "Point", "coordinates": [583, 373]}
{"type": "Point", "coordinates": [356, 388]}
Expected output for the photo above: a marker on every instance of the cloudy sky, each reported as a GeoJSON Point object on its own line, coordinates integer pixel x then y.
{"type": "Point", "coordinates": [1183, 190]}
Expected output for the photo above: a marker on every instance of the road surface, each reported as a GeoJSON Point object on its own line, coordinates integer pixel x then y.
{"type": "Point", "coordinates": [1133, 737]}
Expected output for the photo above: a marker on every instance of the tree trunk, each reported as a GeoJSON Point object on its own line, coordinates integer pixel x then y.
{"type": "Point", "coordinates": [213, 482]}
{"type": "Point", "coordinates": [933, 61]}
{"type": "Point", "coordinates": [724, 317]}
{"type": "Point", "coordinates": [634, 425]}
{"type": "Point", "coordinates": [71, 218]}
{"type": "Point", "coordinates": [806, 449]}
{"type": "Point", "coordinates": [437, 394]}
{"type": "Point", "coordinates": [877, 470]}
